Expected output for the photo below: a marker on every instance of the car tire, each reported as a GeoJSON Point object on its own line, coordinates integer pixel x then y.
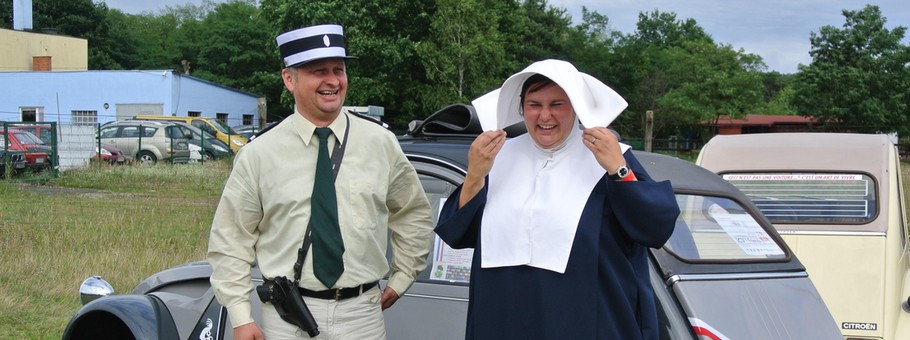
{"type": "Point", "coordinates": [208, 156]}
{"type": "Point", "coordinates": [147, 158]}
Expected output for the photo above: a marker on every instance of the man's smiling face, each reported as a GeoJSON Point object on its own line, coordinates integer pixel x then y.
{"type": "Point", "coordinates": [319, 87]}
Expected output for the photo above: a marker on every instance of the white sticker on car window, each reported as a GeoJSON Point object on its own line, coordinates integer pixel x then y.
{"type": "Point", "coordinates": [453, 265]}
{"type": "Point", "coordinates": [750, 236]}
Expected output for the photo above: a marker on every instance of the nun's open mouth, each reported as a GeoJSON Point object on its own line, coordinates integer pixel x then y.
{"type": "Point", "coordinates": [546, 127]}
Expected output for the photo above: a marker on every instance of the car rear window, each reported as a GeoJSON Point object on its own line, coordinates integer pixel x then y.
{"type": "Point", "coordinates": [711, 229]}
{"type": "Point", "coordinates": [840, 198]}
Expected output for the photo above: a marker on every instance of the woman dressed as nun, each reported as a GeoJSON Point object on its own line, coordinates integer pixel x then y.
{"type": "Point", "coordinates": [560, 218]}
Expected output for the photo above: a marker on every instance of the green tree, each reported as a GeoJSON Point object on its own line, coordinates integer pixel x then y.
{"type": "Point", "coordinates": [674, 68]}
{"type": "Point", "coordinates": [233, 47]}
{"type": "Point", "coordinates": [383, 34]}
{"type": "Point", "coordinates": [463, 54]}
{"type": "Point", "coordinates": [859, 78]}
{"type": "Point", "coordinates": [709, 81]}
{"type": "Point", "coordinates": [6, 14]}
{"type": "Point", "coordinates": [87, 20]}
{"type": "Point", "coordinates": [590, 45]}
{"type": "Point", "coordinates": [158, 34]}
{"type": "Point", "coordinates": [662, 30]}
{"type": "Point", "coordinates": [124, 48]}
{"type": "Point", "coordinates": [778, 94]}
{"type": "Point", "coordinates": [535, 31]}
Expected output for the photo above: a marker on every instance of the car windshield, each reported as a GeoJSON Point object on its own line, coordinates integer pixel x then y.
{"type": "Point", "coordinates": [223, 127]}
{"type": "Point", "coordinates": [791, 197]}
{"type": "Point", "coordinates": [711, 228]}
{"type": "Point", "coordinates": [28, 138]}
{"type": "Point", "coordinates": [196, 132]}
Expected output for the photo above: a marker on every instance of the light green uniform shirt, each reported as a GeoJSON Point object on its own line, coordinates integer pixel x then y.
{"type": "Point", "coordinates": [265, 208]}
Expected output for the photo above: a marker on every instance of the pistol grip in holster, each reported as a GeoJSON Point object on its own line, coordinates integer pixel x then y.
{"type": "Point", "coordinates": [285, 296]}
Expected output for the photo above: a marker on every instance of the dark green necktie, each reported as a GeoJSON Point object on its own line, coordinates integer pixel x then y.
{"type": "Point", "coordinates": [327, 243]}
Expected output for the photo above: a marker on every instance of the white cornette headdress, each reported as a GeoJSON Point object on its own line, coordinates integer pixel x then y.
{"type": "Point", "coordinates": [595, 103]}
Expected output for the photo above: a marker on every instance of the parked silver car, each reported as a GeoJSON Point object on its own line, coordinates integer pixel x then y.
{"type": "Point", "coordinates": [724, 274]}
{"type": "Point", "coordinates": [147, 142]}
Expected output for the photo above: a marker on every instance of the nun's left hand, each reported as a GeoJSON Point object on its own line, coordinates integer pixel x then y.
{"type": "Point", "coordinates": [605, 146]}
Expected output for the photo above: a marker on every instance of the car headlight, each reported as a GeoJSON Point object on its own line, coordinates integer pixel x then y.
{"type": "Point", "coordinates": [237, 142]}
{"type": "Point", "coordinates": [104, 152]}
{"type": "Point", "coordinates": [219, 148]}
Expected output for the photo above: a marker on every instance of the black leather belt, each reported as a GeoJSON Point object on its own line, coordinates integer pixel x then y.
{"type": "Point", "coordinates": [338, 293]}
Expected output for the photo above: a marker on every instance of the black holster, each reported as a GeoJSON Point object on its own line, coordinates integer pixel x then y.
{"type": "Point", "coordinates": [285, 296]}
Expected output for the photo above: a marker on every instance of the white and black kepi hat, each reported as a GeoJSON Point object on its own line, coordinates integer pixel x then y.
{"type": "Point", "coordinates": [306, 44]}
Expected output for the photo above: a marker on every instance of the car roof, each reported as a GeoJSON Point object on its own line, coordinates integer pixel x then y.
{"type": "Point", "coordinates": [810, 151]}
{"type": "Point", "coordinates": [169, 118]}
{"type": "Point", "coordinates": [138, 122]}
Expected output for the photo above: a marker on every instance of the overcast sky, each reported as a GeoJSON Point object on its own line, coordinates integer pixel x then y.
{"type": "Point", "coordinates": [777, 30]}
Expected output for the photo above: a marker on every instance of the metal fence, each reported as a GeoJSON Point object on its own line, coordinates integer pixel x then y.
{"type": "Point", "coordinates": [671, 144]}
{"type": "Point", "coordinates": [72, 146]}
{"type": "Point", "coordinates": [904, 150]}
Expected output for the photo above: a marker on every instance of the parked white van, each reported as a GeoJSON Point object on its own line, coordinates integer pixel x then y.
{"type": "Point", "coordinates": [837, 199]}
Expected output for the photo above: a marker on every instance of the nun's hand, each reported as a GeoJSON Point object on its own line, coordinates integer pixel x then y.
{"type": "Point", "coordinates": [605, 146]}
{"type": "Point", "coordinates": [482, 153]}
{"type": "Point", "coordinates": [480, 160]}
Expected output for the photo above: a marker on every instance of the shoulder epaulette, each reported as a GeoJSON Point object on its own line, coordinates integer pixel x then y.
{"type": "Point", "coordinates": [368, 118]}
{"type": "Point", "coordinates": [266, 129]}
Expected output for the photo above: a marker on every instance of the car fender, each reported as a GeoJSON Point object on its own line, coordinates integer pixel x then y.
{"type": "Point", "coordinates": [122, 316]}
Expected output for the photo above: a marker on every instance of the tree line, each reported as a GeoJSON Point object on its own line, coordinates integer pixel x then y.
{"type": "Point", "coordinates": [416, 57]}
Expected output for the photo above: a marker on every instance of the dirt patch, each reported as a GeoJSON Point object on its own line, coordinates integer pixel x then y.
{"type": "Point", "coordinates": [55, 190]}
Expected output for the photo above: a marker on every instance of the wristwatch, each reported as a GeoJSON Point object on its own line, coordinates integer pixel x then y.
{"type": "Point", "coordinates": [621, 172]}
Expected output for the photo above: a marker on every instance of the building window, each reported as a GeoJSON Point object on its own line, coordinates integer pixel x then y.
{"type": "Point", "coordinates": [32, 114]}
{"type": "Point", "coordinates": [85, 118]}
{"type": "Point", "coordinates": [223, 117]}
{"type": "Point", "coordinates": [247, 119]}
{"type": "Point", "coordinates": [194, 114]}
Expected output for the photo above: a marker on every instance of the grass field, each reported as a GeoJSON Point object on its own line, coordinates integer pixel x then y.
{"type": "Point", "coordinates": [122, 223]}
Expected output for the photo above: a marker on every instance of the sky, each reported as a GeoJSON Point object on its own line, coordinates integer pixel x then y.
{"type": "Point", "coordinates": [776, 30]}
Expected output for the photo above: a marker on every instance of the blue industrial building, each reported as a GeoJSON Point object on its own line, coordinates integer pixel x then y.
{"type": "Point", "coordinates": [97, 97]}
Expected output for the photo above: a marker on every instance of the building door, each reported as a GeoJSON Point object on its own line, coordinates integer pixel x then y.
{"type": "Point", "coordinates": [127, 111]}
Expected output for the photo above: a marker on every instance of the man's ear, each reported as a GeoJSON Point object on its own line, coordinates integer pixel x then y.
{"type": "Point", "coordinates": [288, 79]}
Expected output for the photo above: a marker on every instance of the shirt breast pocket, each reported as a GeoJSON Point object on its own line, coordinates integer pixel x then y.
{"type": "Point", "coordinates": [365, 202]}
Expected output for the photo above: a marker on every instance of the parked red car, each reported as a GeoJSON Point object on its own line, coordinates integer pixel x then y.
{"type": "Point", "coordinates": [36, 152]}
{"type": "Point", "coordinates": [109, 154]}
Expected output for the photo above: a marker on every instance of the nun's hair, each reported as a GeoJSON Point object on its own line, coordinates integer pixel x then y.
{"type": "Point", "coordinates": [532, 84]}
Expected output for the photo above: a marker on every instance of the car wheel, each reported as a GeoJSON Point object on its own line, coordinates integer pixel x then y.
{"type": "Point", "coordinates": [208, 156]}
{"type": "Point", "coordinates": [147, 158]}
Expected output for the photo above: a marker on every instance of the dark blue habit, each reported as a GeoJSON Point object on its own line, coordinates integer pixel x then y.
{"type": "Point", "coordinates": [605, 292]}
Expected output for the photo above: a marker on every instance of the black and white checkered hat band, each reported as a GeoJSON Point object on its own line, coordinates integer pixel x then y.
{"type": "Point", "coordinates": [310, 43]}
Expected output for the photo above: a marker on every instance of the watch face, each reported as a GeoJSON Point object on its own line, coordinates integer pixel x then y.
{"type": "Point", "coordinates": [622, 172]}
